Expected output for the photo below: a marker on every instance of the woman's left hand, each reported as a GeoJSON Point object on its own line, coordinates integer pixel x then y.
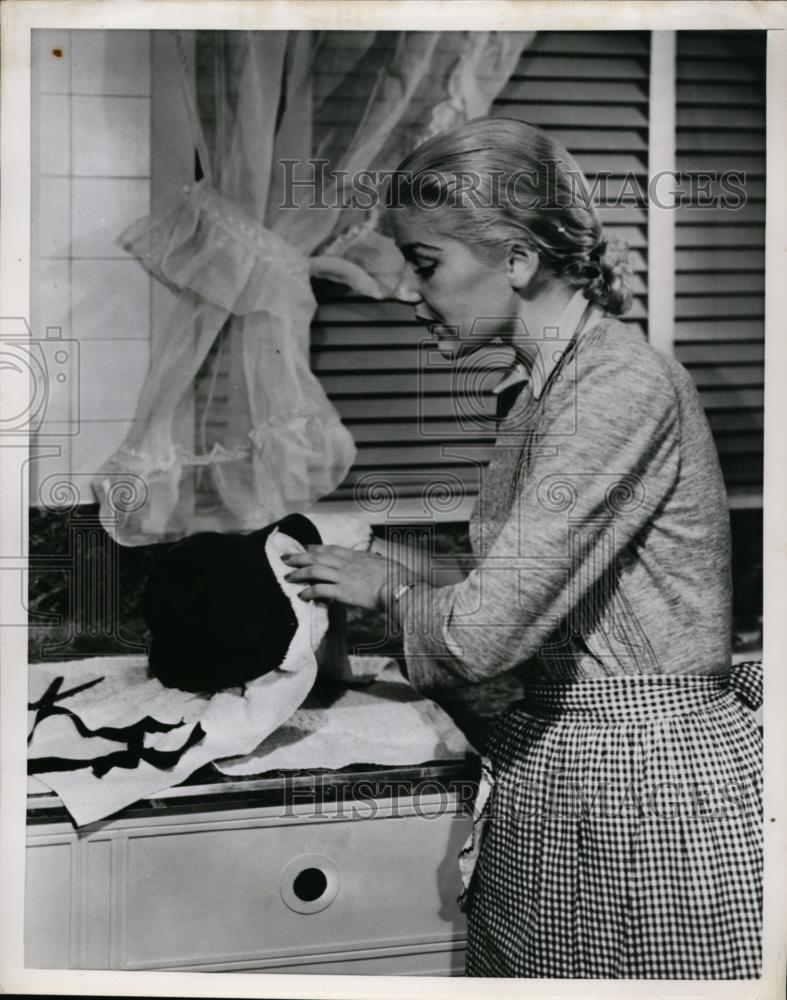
{"type": "Point", "coordinates": [336, 573]}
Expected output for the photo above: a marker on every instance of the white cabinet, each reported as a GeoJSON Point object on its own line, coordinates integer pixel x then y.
{"type": "Point", "coordinates": [365, 887]}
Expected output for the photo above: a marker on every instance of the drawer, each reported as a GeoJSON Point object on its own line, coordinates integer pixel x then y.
{"type": "Point", "coordinates": [289, 888]}
{"type": "Point", "coordinates": [49, 891]}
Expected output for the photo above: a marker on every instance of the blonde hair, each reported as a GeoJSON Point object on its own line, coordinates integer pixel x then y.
{"type": "Point", "coordinates": [474, 178]}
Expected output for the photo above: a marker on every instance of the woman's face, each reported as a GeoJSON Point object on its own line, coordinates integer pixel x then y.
{"type": "Point", "coordinates": [466, 301]}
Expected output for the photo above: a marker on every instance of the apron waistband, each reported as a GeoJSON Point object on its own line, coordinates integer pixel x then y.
{"type": "Point", "coordinates": [638, 697]}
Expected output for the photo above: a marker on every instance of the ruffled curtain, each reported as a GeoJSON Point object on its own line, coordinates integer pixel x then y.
{"type": "Point", "coordinates": [240, 246]}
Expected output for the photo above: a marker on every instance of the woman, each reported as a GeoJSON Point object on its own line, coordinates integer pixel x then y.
{"type": "Point", "coordinates": [621, 795]}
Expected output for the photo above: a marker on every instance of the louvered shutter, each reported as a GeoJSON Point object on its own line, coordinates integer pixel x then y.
{"type": "Point", "coordinates": [590, 90]}
{"type": "Point", "coordinates": [719, 306]}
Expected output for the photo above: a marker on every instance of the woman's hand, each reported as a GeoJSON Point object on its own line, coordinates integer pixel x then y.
{"type": "Point", "coordinates": [335, 573]}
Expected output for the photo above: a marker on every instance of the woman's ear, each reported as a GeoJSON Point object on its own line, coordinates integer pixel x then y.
{"type": "Point", "coordinates": [522, 266]}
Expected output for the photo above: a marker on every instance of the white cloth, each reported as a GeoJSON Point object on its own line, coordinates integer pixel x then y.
{"type": "Point", "coordinates": [234, 721]}
{"type": "Point", "coordinates": [386, 723]}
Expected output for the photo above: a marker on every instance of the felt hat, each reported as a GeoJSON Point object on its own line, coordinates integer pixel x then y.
{"type": "Point", "coordinates": [217, 608]}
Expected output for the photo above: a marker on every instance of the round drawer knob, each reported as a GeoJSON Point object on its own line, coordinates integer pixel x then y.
{"type": "Point", "coordinates": [309, 883]}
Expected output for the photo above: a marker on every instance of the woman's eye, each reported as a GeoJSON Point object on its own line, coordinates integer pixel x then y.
{"type": "Point", "coordinates": [425, 270]}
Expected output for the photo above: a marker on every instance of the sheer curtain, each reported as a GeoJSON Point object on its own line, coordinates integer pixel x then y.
{"type": "Point", "coordinates": [240, 245]}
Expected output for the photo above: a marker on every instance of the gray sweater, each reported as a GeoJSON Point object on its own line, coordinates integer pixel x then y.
{"type": "Point", "coordinates": [601, 533]}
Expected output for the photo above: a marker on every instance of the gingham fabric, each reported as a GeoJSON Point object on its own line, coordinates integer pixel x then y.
{"type": "Point", "coordinates": [619, 832]}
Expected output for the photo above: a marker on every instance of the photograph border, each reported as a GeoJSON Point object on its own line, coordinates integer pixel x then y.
{"type": "Point", "coordinates": [18, 18]}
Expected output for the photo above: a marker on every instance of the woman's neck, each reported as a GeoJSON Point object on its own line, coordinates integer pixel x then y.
{"type": "Point", "coordinates": [538, 314]}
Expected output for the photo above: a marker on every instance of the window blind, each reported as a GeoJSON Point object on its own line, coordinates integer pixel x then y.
{"type": "Point", "coordinates": [719, 306]}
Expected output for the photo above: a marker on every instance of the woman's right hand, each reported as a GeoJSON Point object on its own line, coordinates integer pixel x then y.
{"type": "Point", "coordinates": [335, 573]}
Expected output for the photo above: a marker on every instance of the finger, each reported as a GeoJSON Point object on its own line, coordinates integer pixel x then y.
{"type": "Point", "coordinates": [337, 551]}
{"type": "Point", "coordinates": [326, 555]}
{"type": "Point", "coordinates": [320, 592]}
{"type": "Point", "coordinates": [316, 572]}
{"type": "Point", "coordinates": [298, 558]}
{"type": "Point", "coordinates": [309, 559]}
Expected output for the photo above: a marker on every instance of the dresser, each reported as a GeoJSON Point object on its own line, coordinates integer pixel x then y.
{"type": "Point", "coordinates": [338, 872]}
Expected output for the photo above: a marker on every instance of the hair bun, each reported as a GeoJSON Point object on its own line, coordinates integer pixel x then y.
{"type": "Point", "coordinates": [609, 272]}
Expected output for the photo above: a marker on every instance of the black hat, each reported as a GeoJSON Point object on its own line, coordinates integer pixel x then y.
{"type": "Point", "coordinates": [216, 613]}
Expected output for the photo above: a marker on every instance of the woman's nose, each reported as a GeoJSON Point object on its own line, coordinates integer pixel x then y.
{"type": "Point", "coordinates": [405, 290]}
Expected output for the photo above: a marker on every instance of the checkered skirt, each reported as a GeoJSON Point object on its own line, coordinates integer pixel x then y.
{"type": "Point", "coordinates": [619, 832]}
